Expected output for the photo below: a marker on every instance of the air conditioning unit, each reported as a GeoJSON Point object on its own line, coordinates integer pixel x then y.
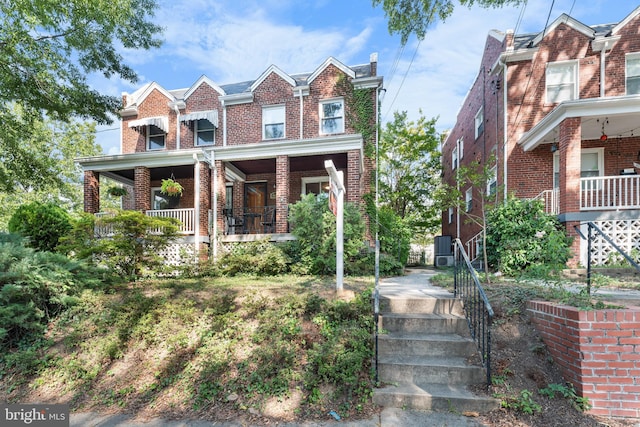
{"type": "Point", "coordinates": [444, 260]}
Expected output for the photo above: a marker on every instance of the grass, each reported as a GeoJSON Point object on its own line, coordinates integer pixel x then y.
{"type": "Point", "coordinates": [283, 346]}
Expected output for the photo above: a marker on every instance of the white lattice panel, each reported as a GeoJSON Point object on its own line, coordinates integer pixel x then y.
{"type": "Point", "coordinates": [178, 254]}
{"type": "Point", "coordinates": [625, 233]}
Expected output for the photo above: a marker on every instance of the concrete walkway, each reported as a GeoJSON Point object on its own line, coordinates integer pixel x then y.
{"type": "Point", "coordinates": [416, 283]}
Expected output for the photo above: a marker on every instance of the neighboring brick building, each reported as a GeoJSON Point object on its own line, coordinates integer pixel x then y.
{"type": "Point", "coordinates": [558, 112]}
{"type": "Point", "coordinates": [243, 152]}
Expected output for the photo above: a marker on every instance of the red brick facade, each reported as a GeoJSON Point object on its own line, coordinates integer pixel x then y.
{"type": "Point", "coordinates": [529, 130]}
{"type": "Point", "coordinates": [240, 156]}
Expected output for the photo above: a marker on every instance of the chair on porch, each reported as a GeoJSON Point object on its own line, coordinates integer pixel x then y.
{"type": "Point", "coordinates": [269, 222]}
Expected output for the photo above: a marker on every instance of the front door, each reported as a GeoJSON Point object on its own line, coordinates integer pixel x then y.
{"type": "Point", "coordinates": [255, 200]}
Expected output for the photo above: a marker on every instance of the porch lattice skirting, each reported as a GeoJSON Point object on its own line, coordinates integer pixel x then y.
{"type": "Point", "coordinates": [178, 254]}
{"type": "Point", "coordinates": [626, 234]}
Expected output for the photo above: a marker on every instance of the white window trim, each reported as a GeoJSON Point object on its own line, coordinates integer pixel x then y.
{"type": "Point", "coordinates": [461, 145]}
{"type": "Point", "coordinates": [164, 134]}
{"type": "Point", "coordinates": [312, 180]}
{"type": "Point", "coordinates": [468, 199]}
{"type": "Point", "coordinates": [479, 127]}
{"type": "Point", "coordinates": [599, 151]}
{"type": "Point", "coordinates": [321, 115]}
{"type": "Point", "coordinates": [632, 56]}
{"type": "Point", "coordinates": [450, 215]}
{"type": "Point", "coordinates": [284, 118]}
{"type": "Point", "coordinates": [576, 77]}
{"type": "Point", "coordinates": [493, 179]}
{"type": "Point", "coordinates": [195, 135]}
{"type": "Point", "coordinates": [454, 158]}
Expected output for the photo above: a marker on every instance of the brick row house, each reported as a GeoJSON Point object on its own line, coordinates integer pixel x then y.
{"type": "Point", "coordinates": [242, 152]}
{"type": "Point", "coordinates": [558, 115]}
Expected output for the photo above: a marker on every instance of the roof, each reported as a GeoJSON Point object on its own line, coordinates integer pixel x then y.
{"type": "Point", "coordinates": [361, 71]}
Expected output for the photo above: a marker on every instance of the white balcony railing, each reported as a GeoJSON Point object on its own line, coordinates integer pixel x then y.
{"type": "Point", "coordinates": [610, 192]}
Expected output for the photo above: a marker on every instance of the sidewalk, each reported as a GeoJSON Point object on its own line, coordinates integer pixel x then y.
{"type": "Point", "coordinates": [389, 417]}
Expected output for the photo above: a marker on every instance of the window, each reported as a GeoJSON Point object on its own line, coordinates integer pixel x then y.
{"type": "Point", "coordinates": [332, 116]}
{"type": "Point", "coordinates": [461, 147]}
{"type": "Point", "coordinates": [228, 200]}
{"type": "Point", "coordinates": [479, 122]}
{"type": "Point", "coordinates": [591, 165]}
{"type": "Point", "coordinates": [493, 181]}
{"type": "Point", "coordinates": [162, 201]}
{"type": "Point", "coordinates": [273, 122]}
{"type": "Point", "coordinates": [562, 81]}
{"type": "Point", "coordinates": [315, 185]}
{"type": "Point", "coordinates": [450, 215]}
{"type": "Point", "coordinates": [155, 138]}
{"type": "Point", "coordinates": [454, 159]}
{"type": "Point", "coordinates": [633, 73]}
{"type": "Point", "coordinates": [468, 196]}
{"type": "Point", "coordinates": [204, 132]}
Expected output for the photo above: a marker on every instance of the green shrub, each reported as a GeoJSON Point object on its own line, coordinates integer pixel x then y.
{"type": "Point", "coordinates": [394, 234]}
{"type": "Point", "coordinates": [522, 237]}
{"type": "Point", "coordinates": [260, 258]}
{"type": "Point", "coordinates": [130, 245]}
{"type": "Point", "coordinates": [42, 224]}
{"type": "Point", "coordinates": [35, 287]}
{"type": "Point", "coordinates": [314, 226]}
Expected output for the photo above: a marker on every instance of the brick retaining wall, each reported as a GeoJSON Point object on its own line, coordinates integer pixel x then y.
{"type": "Point", "coordinates": [598, 351]}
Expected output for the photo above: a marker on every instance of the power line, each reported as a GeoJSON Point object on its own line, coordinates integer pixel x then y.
{"type": "Point", "coordinates": [415, 52]}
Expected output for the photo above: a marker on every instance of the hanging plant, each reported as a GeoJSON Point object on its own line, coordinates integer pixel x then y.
{"type": "Point", "coordinates": [116, 191]}
{"type": "Point", "coordinates": [170, 187]}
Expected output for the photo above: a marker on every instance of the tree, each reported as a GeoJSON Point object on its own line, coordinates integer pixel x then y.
{"type": "Point", "coordinates": [51, 146]}
{"type": "Point", "coordinates": [410, 171]}
{"type": "Point", "coordinates": [41, 224]}
{"type": "Point", "coordinates": [408, 17]}
{"type": "Point", "coordinates": [478, 178]}
{"type": "Point", "coordinates": [47, 50]}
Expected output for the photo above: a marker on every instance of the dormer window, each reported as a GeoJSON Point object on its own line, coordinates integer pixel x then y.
{"type": "Point", "coordinates": [332, 116]}
{"type": "Point", "coordinates": [156, 138]}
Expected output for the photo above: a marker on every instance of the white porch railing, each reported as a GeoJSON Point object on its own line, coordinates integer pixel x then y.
{"type": "Point", "coordinates": [185, 216]}
{"type": "Point", "coordinates": [551, 200]}
{"type": "Point", "coordinates": [610, 192]}
{"type": "Point", "coordinates": [474, 245]}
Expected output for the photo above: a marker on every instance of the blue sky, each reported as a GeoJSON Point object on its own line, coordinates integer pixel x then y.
{"type": "Point", "coordinates": [233, 41]}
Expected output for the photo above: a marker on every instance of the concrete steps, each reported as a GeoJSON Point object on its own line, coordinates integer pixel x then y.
{"type": "Point", "coordinates": [426, 357]}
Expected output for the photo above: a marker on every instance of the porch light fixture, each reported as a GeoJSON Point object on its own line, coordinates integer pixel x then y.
{"type": "Point", "coordinates": [554, 147]}
{"type": "Point", "coordinates": [604, 136]}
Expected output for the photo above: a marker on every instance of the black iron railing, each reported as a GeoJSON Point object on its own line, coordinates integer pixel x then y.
{"type": "Point", "coordinates": [591, 227]}
{"type": "Point", "coordinates": [477, 308]}
{"type": "Point", "coordinates": [255, 220]}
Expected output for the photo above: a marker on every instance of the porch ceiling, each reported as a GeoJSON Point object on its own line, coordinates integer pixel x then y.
{"type": "Point", "coordinates": [619, 115]}
{"type": "Point", "coordinates": [296, 164]}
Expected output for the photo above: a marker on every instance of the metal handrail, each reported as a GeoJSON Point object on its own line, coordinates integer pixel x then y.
{"type": "Point", "coordinates": [589, 238]}
{"type": "Point", "coordinates": [477, 308]}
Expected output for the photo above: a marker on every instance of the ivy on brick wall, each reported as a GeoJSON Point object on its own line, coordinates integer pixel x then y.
{"type": "Point", "coordinates": [359, 112]}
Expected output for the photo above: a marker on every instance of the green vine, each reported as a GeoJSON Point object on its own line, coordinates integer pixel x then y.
{"type": "Point", "coordinates": [360, 111]}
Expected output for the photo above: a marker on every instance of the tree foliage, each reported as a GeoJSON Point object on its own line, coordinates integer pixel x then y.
{"type": "Point", "coordinates": [47, 50]}
{"type": "Point", "coordinates": [410, 171]}
{"type": "Point", "coordinates": [41, 224]}
{"type": "Point", "coordinates": [314, 226]}
{"type": "Point", "coordinates": [408, 17]}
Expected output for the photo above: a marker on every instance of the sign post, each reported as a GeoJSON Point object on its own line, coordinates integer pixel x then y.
{"type": "Point", "coordinates": [337, 206]}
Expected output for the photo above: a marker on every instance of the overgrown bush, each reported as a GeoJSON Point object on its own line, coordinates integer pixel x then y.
{"type": "Point", "coordinates": [129, 242]}
{"type": "Point", "coordinates": [260, 258]}
{"type": "Point", "coordinates": [314, 226]}
{"type": "Point", "coordinates": [42, 224]}
{"type": "Point", "coordinates": [522, 237]}
{"type": "Point", "coordinates": [34, 287]}
{"type": "Point", "coordinates": [394, 234]}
